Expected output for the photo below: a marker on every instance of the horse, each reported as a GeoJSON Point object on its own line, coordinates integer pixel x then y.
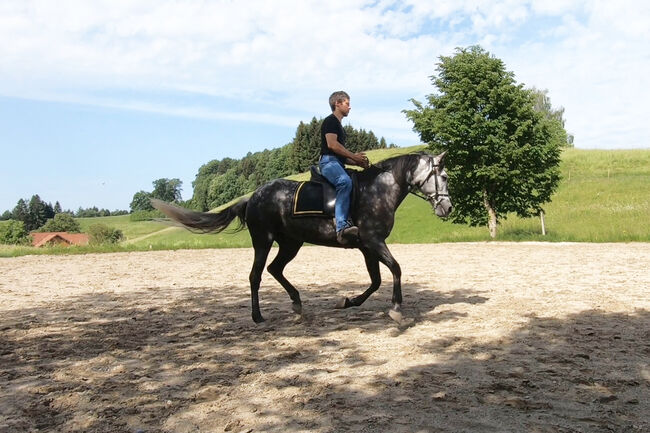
{"type": "Point", "coordinates": [380, 189]}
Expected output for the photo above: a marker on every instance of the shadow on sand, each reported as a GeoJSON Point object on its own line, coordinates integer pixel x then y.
{"type": "Point", "coordinates": [197, 363]}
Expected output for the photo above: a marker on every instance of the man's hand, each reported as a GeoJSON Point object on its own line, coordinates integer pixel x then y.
{"type": "Point", "coordinates": [361, 160]}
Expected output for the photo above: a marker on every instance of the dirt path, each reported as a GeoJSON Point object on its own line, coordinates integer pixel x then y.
{"type": "Point", "coordinates": [500, 337]}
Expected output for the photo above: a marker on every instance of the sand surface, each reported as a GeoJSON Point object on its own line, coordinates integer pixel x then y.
{"type": "Point", "coordinates": [498, 337]}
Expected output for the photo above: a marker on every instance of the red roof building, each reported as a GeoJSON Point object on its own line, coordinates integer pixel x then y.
{"type": "Point", "coordinates": [58, 238]}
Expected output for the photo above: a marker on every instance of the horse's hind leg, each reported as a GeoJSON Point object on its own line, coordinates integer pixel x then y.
{"type": "Point", "coordinates": [287, 252]}
{"type": "Point", "coordinates": [262, 244]}
{"type": "Point", "coordinates": [372, 264]}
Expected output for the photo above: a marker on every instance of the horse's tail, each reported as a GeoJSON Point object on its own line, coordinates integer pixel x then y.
{"type": "Point", "coordinates": [205, 221]}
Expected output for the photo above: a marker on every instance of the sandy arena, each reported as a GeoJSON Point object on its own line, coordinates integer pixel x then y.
{"type": "Point", "coordinates": [498, 337]}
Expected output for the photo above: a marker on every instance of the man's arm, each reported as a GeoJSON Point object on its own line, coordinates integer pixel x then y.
{"type": "Point", "coordinates": [359, 159]}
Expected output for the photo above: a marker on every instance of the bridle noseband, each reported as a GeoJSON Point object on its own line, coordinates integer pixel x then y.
{"type": "Point", "coordinates": [436, 197]}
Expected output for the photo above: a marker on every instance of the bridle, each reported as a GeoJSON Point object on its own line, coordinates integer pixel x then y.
{"type": "Point", "coordinates": [434, 198]}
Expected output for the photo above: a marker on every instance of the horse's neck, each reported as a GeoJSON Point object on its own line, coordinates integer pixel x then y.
{"type": "Point", "coordinates": [394, 183]}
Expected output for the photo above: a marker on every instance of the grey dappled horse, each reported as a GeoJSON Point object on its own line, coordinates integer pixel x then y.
{"type": "Point", "coordinates": [268, 215]}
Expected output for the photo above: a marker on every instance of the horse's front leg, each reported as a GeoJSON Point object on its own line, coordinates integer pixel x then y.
{"type": "Point", "coordinates": [373, 255]}
{"type": "Point", "coordinates": [372, 264]}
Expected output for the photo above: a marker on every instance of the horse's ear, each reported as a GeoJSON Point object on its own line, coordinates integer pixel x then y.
{"type": "Point", "coordinates": [441, 159]}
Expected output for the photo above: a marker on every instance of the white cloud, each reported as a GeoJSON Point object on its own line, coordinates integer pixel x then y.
{"type": "Point", "coordinates": [288, 55]}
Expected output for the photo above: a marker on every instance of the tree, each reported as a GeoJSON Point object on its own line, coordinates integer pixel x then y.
{"type": "Point", "coordinates": [13, 232]}
{"type": "Point", "coordinates": [62, 222]}
{"type": "Point", "coordinates": [219, 181]}
{"type": "Point", "coordinates": [33, 214]}
{"type": "Point", "coordinates": [141, 201]}
{"type": "Point", "coordinates": [360, 140]}
{"type": "Point", "coordinates": [20, 211]}
{"type": "Point", "coordinates": [542, 104]}
{"type": "Point", "coordinates": [226, 187]}
{"type": "Point", "coordinates": [93, 212]}
{"type": "Point", "coordinates": [102, 234]}
{"type": "Point", "coordinates": [57, 207]}
{"type": "Point", "coordinates": [39, 213]}
{"type": "Point", "coordinates": [201, 183]}
{"type": "Point", "coordinates": [501, 156]}
{"type": "Point", "coordinates": [167, 190]}
{"type": "Point", "coordinates": [305, 147]}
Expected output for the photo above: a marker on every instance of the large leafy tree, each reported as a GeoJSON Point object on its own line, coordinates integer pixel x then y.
{"type": "Point", "coordinates": [13, 232]}
{"type": "Point", "coordinates": [167, 189]}
{"type": "Point", "coordinates": [141, 201]}
{"type": "Point", "coordinates": [201, 184]}
{"type": "Point", "coordinates": [163, 189]}
{"type": "Point", "coordinates": [62, 222]}
{"type": "Point", "coordinates": [501, 155]}
{"type": "Point", "coordinates": [227, 187]}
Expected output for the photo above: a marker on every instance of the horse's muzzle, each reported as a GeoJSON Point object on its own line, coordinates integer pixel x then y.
{"type": "Point", "coordinates": [443, 207]}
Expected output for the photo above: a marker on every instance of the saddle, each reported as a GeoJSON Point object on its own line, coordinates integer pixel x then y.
{"type": "Point", "coordinates": [317, 197]}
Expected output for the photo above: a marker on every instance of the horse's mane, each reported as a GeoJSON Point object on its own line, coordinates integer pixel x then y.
{"type": "Point", "coordinates": [397, 165]}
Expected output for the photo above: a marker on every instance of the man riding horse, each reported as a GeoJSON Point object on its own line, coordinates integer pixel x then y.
{"type": "Point", "coordinates": [334, 155]}
{"type": "Point", "coordinates": [269, 213]}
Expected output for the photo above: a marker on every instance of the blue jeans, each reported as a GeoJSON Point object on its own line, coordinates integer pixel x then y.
{"type": "Point", "coordinates": [332, 169]}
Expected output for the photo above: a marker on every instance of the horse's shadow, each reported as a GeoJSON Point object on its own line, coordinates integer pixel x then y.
{"type": "Point", "coordinates": [319, 306]}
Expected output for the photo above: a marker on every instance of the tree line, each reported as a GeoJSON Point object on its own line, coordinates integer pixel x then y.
{"type": "Point", "coordinates": [38, 215]}
{"type": "Point", "coordinates": [35, 212]}
{"type": "Point", "coordinates": [220, 181]}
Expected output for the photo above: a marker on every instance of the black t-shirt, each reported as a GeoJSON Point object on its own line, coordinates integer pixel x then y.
{"type": "Point", "coordinates": [331, 125]}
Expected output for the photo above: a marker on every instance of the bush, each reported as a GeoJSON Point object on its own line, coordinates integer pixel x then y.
{"type": "Point", "coordinates": [13, 232]}
{"type": "Point", "coordinates": [62, 222]}
{"type": "Point", "coordinates": [145, 215]}
{"type": "Point", "coordinates": [99, 234]}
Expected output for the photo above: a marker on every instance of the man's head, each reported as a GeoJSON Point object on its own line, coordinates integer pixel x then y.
{"type": "Point", "coordinates": [338, 97]}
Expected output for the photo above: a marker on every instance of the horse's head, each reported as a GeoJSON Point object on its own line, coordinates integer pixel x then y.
{"type": "Point", "coordinates": [430, 178]}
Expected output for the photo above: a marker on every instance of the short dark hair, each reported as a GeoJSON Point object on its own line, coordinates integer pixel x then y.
{"type": "Point", "coordinates": [338, 97]}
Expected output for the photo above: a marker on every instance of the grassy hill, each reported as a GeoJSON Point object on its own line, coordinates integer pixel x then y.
{"type": "Point", "coordinates": [604, 196]}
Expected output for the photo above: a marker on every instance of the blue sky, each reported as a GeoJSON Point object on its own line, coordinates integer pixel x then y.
{"type": "Point", "coordinates": [100, 98]}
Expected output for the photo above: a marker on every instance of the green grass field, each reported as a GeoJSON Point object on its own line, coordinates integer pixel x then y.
{"type": "Point", "coordinates": [604, 196]}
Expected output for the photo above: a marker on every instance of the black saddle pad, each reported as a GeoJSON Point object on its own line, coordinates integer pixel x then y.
{"type": "Point", "coordinates": [309, 201]}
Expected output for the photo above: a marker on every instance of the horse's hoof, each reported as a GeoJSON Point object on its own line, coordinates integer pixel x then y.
{"type": "Point", "coordinates": [395, 315]}
{"type": "Point", "coordinates": [297, 308]}
{"type": "Point", "coordinates": [342, 303]}
{"type": "Point", "coordinates": [258, 319]}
